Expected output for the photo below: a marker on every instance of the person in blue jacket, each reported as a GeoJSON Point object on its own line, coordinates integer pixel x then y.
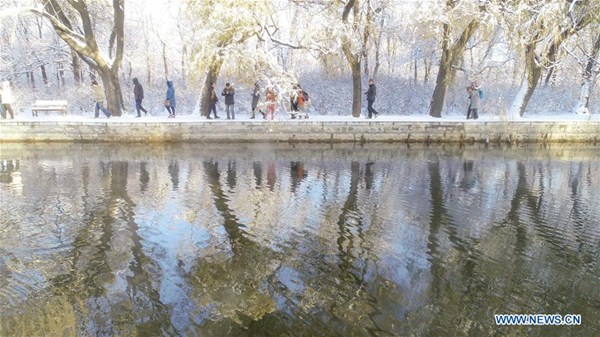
{"type": "Point", "coordinates": [170, 100]}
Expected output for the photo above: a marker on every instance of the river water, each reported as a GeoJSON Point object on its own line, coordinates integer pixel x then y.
{"type": "Point", "coordinates": [260, 240]}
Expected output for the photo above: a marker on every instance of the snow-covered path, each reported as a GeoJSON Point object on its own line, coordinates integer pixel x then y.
{"type": "Point", "coordinates": [282, 117]}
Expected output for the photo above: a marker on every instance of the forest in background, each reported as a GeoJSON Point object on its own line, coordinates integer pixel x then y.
{"type": "Point", "coordinates": [529, 56]}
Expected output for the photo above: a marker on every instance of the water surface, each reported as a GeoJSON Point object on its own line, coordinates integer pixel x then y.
{"type": "Point", "coordinates": [250, 240]}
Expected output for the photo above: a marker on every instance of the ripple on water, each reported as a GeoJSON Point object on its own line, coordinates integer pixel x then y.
{"type": "Point", "coordinates": [425, 245]}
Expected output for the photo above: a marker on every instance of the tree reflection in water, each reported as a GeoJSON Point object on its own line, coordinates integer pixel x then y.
{"type": "Point", "coordinates": [335, 243]}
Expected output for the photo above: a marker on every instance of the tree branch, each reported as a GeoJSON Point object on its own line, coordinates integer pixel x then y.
{"type": "Point", "coordinates": [74, 40]}
{"type": "Point", "coordinates": [279, 42]}
{"type": "Point", "coordinates": [347, 9]}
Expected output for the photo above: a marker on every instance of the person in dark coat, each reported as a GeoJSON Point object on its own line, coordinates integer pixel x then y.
{"type": "Point", "coordinates": [473, 91]}
{"type": "Point", "coordinates": [255, 98]}
{"type": "Point", "coordinates": [228, 92]}
{"type": "Point", "coordinates": [138, 92]}
{"type": "Point", "coordinates": [212, 101]}
{"type": "Point", "coordinates": [371, 93]}
{"type": "Point", "coordinates": [170, 99]}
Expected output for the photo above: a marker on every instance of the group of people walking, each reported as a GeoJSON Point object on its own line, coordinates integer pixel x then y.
{"type": "Point", "coordinates": [229, 93]}
{"type": "Point", "coordinates": [299, 100]}
{"type": "Point", "coordinates": [138, 93]}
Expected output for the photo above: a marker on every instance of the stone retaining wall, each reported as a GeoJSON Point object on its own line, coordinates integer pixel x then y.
{"type": "Point", "coordinates": [301, 131]}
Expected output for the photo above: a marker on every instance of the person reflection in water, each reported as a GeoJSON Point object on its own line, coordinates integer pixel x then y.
{"type": "Point", "coordinates": [271, 175]}
{"type": "Point", "coordinates": [7, 168]}
{"type": "Point", "coordinates": [297, 174]}
{"type": "Point", "coordinates": [257, 169]}
{"type": "Point", "coordinates": [231, 172]}
{"type": "Point", "coordinates": [144, 177]}
{"type": "Point", "coordinates": [468, 180]}
{"type": "Point", "coordinates": [369, 175]}
{"type": "Point", "coordinates": [174, 173]}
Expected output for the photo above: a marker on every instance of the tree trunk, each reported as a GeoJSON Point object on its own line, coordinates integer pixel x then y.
{"type": "Point", "coordinates": [44, 75]}
{"type": "Point", "coordinates": [378, 47]}
{"type": "Point", "coordinates": [445, 74]}
{"type": "Point", "coordinates": [183, 65]}
{"type": "Point", "coordinates": [211, 77]}
{"type": "Point", "coordinates": [391, 55]}
{"type": "Point", "coordinates": [112, 89]}
{"type": "Point", "coordinates": [366, 36]}
{"type": "Point", "coordinates": [533, 73]}
{"type": "Point", "coordinates": [590, 74]}
{"type": "Point", "coordinates": [354, 62]}
{"type": "Point", "coordinates": [353, 59]}
{"type": "Point", "coordinates": [441, 84]}
{"type": "Point", "coordinates": [31, 79]}
{"type": "Point", "coordinates": [416, 72]}
{"type": "Point", "coordinates": [165, 63]}
{"type": "Point", "coordinates": [76, 67]}
{"type": "Point", "coordinates": [356, 90]}
{"type": "Point", "coordinates": [148, 68]}
{"type": "Point", "coordinates": [61, 74]}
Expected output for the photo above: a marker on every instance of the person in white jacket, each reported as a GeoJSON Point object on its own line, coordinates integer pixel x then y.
{"type": "Point", "coordinates": [7, 100]}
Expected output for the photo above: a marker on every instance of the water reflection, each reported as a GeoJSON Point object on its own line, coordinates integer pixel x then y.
{"type": "Point", "coordinates": [144, 177]}
{"type": "Point", "coordinates": [352, 241]}
{"type": "Point", "coordinates": [297, 173]}
{"type": "Point", "coordinates": [257, 169]}
{"type": "Point", "coordinates": [174, 174]}
{"type": "Point", "coordinates": [7, 170]}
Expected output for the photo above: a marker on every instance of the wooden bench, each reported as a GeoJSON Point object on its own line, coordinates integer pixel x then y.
{"type": "Point", "coordinates": [49, 106]}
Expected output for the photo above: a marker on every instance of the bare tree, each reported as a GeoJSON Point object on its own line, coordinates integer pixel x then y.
{"type": "Point", "coordinates": [83, 41]}
{"type": "Point", "coordinates": [590, 73]}
{"type": "Point", "coordinates": [355, 54]}
{"type": "Point", "coordinates": [551, 30]}
{"type": "Point", "coordinates": [451, 52]}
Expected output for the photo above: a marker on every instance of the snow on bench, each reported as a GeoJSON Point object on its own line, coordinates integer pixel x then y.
{"type": "Point", "coordinates": [49, 106]}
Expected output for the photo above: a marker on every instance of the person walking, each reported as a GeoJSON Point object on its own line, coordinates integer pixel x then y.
{"type": "Point", "coordinates": [99, 97]}
{"type": "Point", "coordinates": [212, 101]}
{"type": "Point", "coordinates": [302, 102]}
{"type": "Point", "coordinates": [228, 92]}
{"type": "Point", "coordinates": [7, 100]}
{"type": "Point", "coordinates": [473, 92]}
{"type": "Point", "coordinates": [138, 92]}
{"type": "Point", "coordinates": [271, 97]}
{"type": "Point", "coordinates": [371, 94]}
{"type": "Point", "coordinates": [255, 98]}
{"type": "Point", "coordinates": [170, 99]}
{"type": "Point", "coordinates": [294, 102]}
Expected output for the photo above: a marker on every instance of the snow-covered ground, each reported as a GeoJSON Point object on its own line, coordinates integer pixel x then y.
{"type": "Point", "coordinates": [284, 117]}
{"type": "Point", "coordinates": [398, 99]}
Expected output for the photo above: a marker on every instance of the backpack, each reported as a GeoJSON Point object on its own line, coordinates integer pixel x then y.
{"type": "Point", "coordinates": [300, 100]}
{"type": "Point", "coordinates": [480, 93]}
